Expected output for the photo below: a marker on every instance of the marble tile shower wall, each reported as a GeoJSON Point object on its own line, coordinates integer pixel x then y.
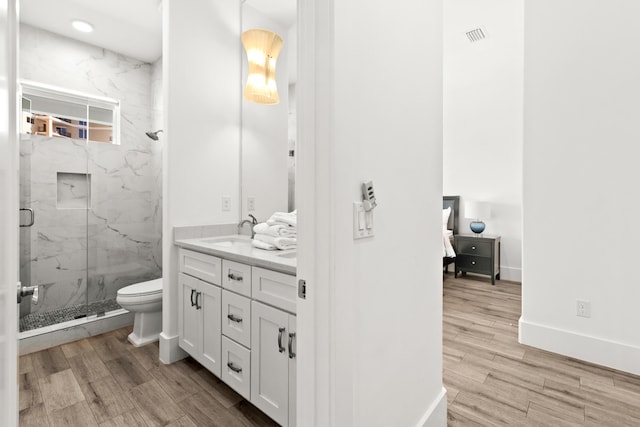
{"type": "Point", "coordinates": [119, 236]}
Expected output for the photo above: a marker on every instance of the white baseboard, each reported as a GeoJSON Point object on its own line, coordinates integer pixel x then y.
{"type": "Point", "coordinates": [512, 274]}
{"type": "Point", "coordinates": [436, 415]}
{"type": "Point", "coordinates": [170, 351]}
{"type": "Point", "coordinates": [623, 357]}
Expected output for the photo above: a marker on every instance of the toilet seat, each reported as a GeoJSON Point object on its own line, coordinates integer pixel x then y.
{"type": "Point", "coordinates": [148, 288]}
{"type": "Point", "coordinates": [143, 296]}
{"type": "Point", "coordinates": [133, 300]}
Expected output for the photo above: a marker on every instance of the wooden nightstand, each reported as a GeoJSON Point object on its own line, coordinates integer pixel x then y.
{"type": "Point", "coordinates": [479, 255]}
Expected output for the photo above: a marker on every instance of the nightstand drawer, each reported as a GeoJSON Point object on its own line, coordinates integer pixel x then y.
{"type": "Point", "coordinates": [475, 264]}
{"type": "Point", "coordinates": [474, 247]}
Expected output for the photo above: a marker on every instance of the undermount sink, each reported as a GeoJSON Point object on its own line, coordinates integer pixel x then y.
{"type": "Point", "coordinates": [293, 254]}
{"type": "Point", "coordinates": [228, 241]}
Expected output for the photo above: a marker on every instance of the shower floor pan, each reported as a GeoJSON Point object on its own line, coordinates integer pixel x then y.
{"type": "Point", "coordinates": [39, 320]}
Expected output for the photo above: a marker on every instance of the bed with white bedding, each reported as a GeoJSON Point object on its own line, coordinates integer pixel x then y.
{"type": "Point", "coordinates": [450, 212]}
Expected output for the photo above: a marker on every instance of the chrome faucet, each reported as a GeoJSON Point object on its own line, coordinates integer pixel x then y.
{"type": "Point", "coordinates": [253, 221]}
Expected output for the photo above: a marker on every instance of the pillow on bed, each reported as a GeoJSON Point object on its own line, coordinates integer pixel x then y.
{"type": "Point", "coordinates": [445, 217]}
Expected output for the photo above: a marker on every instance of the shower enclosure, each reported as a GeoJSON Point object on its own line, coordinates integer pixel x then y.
{"type": "Point", "coordinates": [90, 198]}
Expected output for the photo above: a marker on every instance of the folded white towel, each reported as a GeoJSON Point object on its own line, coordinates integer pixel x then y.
{"type": "Point", "coordinates": [262, 245]}
{"type": "Point", "coordinates": [284, 218]}
{"type": "Point", "coordinates": [278, 242]}
{"type": "Point", "coordinates": [275, 230]}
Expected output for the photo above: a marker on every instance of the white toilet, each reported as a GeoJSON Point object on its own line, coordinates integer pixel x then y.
{"type": "Point", "coordinates": [145, 300]}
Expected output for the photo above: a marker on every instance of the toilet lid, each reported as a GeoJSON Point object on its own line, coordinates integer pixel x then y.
{"type": "Point", "coordinates": [142, 288]}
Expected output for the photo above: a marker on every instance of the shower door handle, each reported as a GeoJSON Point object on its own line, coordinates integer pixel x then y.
{"type": "Point", "coordinates": [24, 291]}
{"type": "Point", "coordinates": [32, 218]}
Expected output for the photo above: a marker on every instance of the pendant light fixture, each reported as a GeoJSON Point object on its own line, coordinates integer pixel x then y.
{"type": "Point", "coordinates": [263, 48]}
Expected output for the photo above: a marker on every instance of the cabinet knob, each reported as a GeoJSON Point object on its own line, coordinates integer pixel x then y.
{"type": "Point", "coordinates": [473, 248]}
{"type": "Point", "coordinates": [473, 262]}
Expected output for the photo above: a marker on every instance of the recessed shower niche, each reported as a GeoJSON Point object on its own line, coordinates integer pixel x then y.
{"type": "Point", "coordinates": [74, 190]}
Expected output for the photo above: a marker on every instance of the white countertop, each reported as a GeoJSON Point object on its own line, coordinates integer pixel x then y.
{"type": "Point", "coordinates": [239, 248]}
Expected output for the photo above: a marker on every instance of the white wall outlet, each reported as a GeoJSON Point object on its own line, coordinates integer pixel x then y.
{"type": "Point", "coordinates": [251, 204]}
{"type": "Point", "coordinates": [362, 221]}
{"type": "Point", "coordinates": [226, 203]}
{"type": "Point", "coordinates": [583, 308]}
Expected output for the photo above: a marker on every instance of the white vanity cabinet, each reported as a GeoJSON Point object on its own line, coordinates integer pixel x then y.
{"type": "Point", "coordinates": [199, 325]}
{"type": "Point", "coordinates": [273, 362]}
{"type": "Point", "coordinates": [238, 321]}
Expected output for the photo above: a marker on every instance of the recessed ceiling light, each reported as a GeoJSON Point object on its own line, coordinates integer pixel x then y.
{"type": "Point", "coordinates": [82, 26]}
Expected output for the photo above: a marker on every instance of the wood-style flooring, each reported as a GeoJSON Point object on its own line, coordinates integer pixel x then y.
{"type": "Point", "coordinates": [490, 378]}
{"type": "Point", "coordinates": [493, 380]}
{"type": "Point", "coordinates": [105, 381]}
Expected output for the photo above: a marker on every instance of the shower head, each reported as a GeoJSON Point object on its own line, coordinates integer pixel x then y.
{"type": "Point", "coordinates": [154, 135]}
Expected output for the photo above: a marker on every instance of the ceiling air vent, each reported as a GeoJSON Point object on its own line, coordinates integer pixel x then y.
{"type": "Point", "coordinates": [477, 34]}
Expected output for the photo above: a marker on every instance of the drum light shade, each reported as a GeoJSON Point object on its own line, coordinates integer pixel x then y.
{"type": "Point", "coordinates": [263, 48]}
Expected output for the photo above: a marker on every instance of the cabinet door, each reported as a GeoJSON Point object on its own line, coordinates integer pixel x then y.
{"type": "Point", "coordinates": [270, 361]}
{"type": "Point", "coordinates": [189, 322]}
{"type": "Point", "coordinates": [292, 350]}
{"type": "Point", "coordinates": [210, 306]}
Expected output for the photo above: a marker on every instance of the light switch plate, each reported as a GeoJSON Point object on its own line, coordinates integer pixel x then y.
{"type": "Point", "coordinates": [251, 204]}
{"type": "Point", "coordinates": [361, 219]}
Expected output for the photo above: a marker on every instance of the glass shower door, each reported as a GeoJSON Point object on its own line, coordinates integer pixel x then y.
{"type": "Point", "coordinates": [55, 186]}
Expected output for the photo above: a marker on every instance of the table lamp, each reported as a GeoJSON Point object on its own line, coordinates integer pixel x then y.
{"type": "Point", "coordinates": [477, 211]}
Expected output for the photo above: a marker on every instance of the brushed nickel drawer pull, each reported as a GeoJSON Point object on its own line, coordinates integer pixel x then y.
{"type": "Point", "coordinates": [280, 346]}
{"type": "Point", "coordinates": [234, 368]}
{"type": "Point", "coordinates": [235, 277]}
{"type": "Point", "coordinates": [234, 318]}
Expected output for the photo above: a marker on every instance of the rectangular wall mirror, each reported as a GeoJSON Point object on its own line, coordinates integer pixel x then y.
{"type": "Point", "coordinates": [269, 131]}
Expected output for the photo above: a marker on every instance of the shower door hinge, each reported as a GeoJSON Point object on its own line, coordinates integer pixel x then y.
{"type": "Point", "coordinates": [302, 289]}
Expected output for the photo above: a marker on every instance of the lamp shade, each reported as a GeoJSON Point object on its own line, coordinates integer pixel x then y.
{"type": "Point", "coordinates": [477, 210]}
{"type": "Point", "coordinates": [263, 48]}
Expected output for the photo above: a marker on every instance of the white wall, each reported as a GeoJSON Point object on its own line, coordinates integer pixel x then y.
{"type": "Point", "coordinates": [581, 180]}
{"type": "Point", "coordinates": [379, 301]}
{"type": "Point", "coordinates": [482, 145]}
{"type": "Point", "coordinates": [264, 131]}
{"type": "Point", "coordinates": [201, 74]}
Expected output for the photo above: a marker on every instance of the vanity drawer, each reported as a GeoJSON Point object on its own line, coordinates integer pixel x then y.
{"type": "Point", "coordinates": [236, 367]}
{"type": "Point", "coordinates": [236, 317]}
{"type": "Point", "coordinates": [277, 289]}
{"type": "Point", "coordinates": [236, 277]}
{"type": "Point", "coordinates": [202, 266]}
{"type": "Point", "coordinates": [474, 247]}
